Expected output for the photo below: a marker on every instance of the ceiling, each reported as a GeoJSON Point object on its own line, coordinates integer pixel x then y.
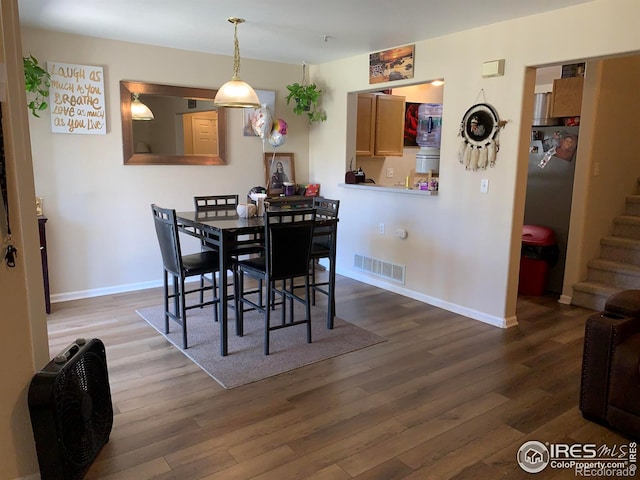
{"type": "Point", "coordinates": [287, 31]}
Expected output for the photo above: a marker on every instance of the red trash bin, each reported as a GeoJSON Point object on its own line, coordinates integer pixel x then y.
{"type": "Point", "coordinates": [539, 254]}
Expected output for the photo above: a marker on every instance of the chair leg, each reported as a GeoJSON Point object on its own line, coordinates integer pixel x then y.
{"type": "Point", "coordinates": [331, 304]}
{"type": "Point", "coordinates": [267, 317]}
{"type": "Point", "coordinates": [215, 289]}
{"type": "Point", "coordinates": [166, 302]}
{"type": "Point", "coordinates": [238, 291]}
{"type": "Point", "coordinates": [308, 306]}
{"type": "Point", "coordinates": [183, 314]}
{"type": "Point", "coordinates": [290, 300]}
{"type": "Point", "coordinates": [313, 281]}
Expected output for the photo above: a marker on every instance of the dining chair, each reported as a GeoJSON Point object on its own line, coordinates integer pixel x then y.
{"type": "Point", "coordinates": [227, 205]}
{"type": "Point", "coordinates": [323, 246]}
{"type": "Point", "coordinates": [215, 202]}
{"type": "Point", "coordinates": [288, 236]}
{"type": "Point", "coordinates": [180, 268]}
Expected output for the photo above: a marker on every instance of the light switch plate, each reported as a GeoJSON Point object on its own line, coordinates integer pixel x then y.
{"type": "Point", "coordinates": [484, 185]}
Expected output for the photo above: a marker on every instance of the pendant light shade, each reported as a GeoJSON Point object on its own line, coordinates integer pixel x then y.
{"type": "Point", "coordinates": [236, 93]}
{"type": "Point", "coordinates": [139, 111]}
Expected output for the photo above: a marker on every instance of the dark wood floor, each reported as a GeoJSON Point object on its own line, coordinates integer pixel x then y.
{"type": "Point", "coordinates": [444, 397]}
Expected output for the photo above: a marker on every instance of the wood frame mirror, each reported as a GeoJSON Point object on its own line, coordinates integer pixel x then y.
{"type": "Point", "coordinates": [177, 133]}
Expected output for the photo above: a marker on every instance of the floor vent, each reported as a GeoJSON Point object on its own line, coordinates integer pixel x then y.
{"type": "Point", "coordinates": [380, 268]}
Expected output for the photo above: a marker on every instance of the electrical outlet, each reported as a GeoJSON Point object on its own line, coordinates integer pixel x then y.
{"type": "Point", "coordinates": [484, 185]}
{"type": "Point", "coordinates": [389, 172]}
{"type": "Point", "coordinates": [596, 169]}
{"type": "Point", "coordinates": [401, 233]}
{"type": "Point", "coordinates": [381, 229]}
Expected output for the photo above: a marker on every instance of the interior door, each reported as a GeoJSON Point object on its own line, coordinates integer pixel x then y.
{"type": "Point", "coordinates": [200, 133]}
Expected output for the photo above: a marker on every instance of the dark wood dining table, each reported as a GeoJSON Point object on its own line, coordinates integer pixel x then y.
{"type": "Point", "coordinates": [225, 231]}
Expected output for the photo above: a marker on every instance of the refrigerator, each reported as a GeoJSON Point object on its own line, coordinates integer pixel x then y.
{"type": "Point", "coordinates": [552, 160]}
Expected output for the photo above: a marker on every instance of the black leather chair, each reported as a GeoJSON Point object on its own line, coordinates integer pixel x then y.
{"type": "Point", "coordinates": [180, 268]}
{"type": "Point", "coordinates": [288, 236]}
{"type": "Point", "coordinates": [610, 386]}
{"type": "Point", "coordinates": [324, 246]}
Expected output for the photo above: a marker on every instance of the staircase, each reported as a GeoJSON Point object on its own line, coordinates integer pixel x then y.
{"type": "Point", "coordinates": [618, 267]}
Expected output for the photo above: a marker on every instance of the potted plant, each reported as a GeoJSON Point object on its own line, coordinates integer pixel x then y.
{"type": "Point", "coordinates": [306, 97]}
{"type": "Point", "coordinates": [36, 80]}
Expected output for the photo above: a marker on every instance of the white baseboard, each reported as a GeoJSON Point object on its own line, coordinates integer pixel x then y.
{"type": "Point", "coordinates": [98, 292]}
{"type": "Point", "coordinates": [436, 302]}
{"type": "Point", "coordinates": [565, 299]}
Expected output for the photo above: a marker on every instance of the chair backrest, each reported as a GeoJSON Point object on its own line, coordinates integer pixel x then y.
{"type": "Point", "coordinates": [288, 236]}
{"type": "Point", "coordinates": [167, 232]}
{"type": "Point", "coordinates": [215, 202]}
{"type": "Point", "coordinates": [326, 221]}
{"type": "Point", "coordinates": [326, 206]}
{"type": "Point", "coordinates": [296, 201]}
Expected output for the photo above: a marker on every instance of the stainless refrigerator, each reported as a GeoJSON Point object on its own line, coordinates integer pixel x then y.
{"type": "Point", "coordinates": [552, 160]}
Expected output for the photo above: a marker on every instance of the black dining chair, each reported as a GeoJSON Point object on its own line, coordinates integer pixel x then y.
{"type": "Point", "coordinates": [215, 202]}
{"type": "Point", "coordinates": [288, 236]}
{"type": "Point", "coordinates": [226, 205]}
{"type": "Point", "coordinates": [324, 247]}
{"type": "Point", "coordinates": [180, 268]}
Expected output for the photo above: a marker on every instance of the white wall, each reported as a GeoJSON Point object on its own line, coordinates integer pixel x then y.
{"type": "Point", "coordinates": [100, 232]}
{"type": "Point", "coordinates": [463, 247]}
{"type": "Point", "coordinates": [24, 343]}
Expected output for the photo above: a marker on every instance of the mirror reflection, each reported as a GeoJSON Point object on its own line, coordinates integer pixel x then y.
{"type": "Point", "coordinates": [186, 128]}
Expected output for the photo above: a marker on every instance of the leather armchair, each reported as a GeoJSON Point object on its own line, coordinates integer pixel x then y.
{"type": "Point", "coordinates": [610, 385]}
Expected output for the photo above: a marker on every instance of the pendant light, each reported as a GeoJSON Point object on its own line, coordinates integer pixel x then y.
{"type": "Point", "coordinates": [139, 111]}
{"type": "Point", "coordinates": [236, 93]}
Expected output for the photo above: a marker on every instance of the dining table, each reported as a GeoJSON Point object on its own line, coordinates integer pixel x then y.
{"type": "Point", "coordinates": [228, 233]}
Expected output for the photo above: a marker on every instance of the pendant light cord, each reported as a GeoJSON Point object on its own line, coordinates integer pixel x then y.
{"type": "Point", "coordinates": [236, 50]}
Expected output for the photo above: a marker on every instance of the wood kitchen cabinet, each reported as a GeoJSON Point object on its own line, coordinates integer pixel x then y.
{"type": "Point", "coordinates": [380, 125]}
{"type": "Point", "coordinates": [566, 97]}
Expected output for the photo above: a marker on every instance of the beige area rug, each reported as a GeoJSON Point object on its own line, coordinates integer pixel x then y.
{"type": "Point", "coordinates": [246, 361]}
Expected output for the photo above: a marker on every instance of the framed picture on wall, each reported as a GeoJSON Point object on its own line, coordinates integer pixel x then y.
{"type": "Point", "coordinates": [279, 168]}
{"type": "Point", "coordinates": [392, 64]}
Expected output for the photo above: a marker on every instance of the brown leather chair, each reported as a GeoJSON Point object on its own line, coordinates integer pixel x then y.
{"type": "Point", "coordinates": [610, 386]}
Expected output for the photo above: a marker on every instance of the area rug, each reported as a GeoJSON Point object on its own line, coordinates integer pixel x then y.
{"type": "Point", "coordinates": [246, 361]}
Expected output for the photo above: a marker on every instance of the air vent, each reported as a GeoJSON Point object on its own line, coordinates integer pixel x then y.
{"type": "Point", "coordinates": [380, 268]}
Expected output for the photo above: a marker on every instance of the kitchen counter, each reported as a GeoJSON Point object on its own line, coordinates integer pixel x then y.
{"type": "Point", "coordinates": [381, 188]}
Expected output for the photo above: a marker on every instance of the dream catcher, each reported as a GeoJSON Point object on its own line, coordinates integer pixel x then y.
{"type": "Point", "coordinates": [479, 130]}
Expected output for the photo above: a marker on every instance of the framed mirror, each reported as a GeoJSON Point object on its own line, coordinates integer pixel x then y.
{"type": "Point", "coordinates": [186, 129]}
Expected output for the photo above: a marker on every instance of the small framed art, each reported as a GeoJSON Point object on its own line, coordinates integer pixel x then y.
{"type": "Point", "coordinates": [279, 168]}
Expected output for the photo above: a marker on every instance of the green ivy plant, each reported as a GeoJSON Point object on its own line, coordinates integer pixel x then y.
{"type": "Point", "coordinates": [306, 99]}
{"type": "Point", "coordinates": [36, 80]}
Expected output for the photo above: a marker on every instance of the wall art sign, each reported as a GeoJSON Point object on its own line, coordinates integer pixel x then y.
{"type": "Point", "coordinates": [76, 99]}
{"type": "Point", "coordinates": [392, 64]}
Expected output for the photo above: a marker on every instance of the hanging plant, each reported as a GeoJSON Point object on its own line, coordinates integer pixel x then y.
{"type": "Point", "coordinates": [36, 80]}
{"type": "Point", "coordinates": [306, 97]}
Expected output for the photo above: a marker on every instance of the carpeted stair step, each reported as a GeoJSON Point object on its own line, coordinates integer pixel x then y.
{"type": "Point", "coordinates": [633, 205]}
{"type": "Point", "coordinates": [621, 249]}
{"type": "Point", "coordinates": [615, 274]}
{"type": "Point", "coordinates": [592, 295]}
{"type": "Point", "coordinates": [627, 226]}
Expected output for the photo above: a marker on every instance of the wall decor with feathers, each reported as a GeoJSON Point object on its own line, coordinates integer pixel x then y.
{"type": "Point", "coordinates": [479, 129]}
